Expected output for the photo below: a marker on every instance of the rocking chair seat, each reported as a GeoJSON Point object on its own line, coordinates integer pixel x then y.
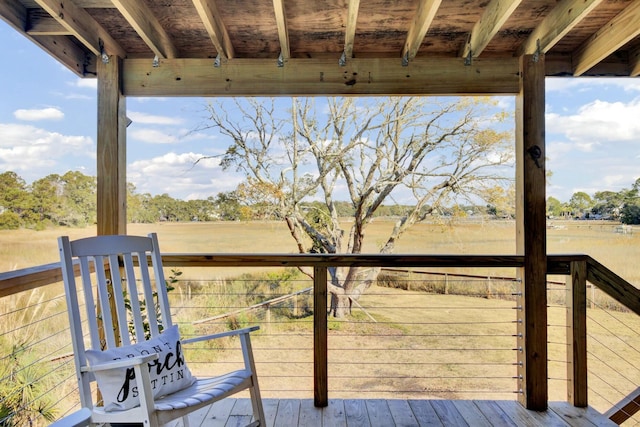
{"type": "Point", "coordinates": [204, 390]}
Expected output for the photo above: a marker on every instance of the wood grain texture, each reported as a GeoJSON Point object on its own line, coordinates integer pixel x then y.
{"type": "Point", "coordinates": [577, 334]}
{"type": "Point", "coordinates": [360, 76]}
{"type": "Point", "coordinates": [531, 232]}
{"type": "Point", "coordinates": [111, 150]}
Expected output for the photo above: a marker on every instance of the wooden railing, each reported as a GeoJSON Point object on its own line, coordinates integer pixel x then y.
{"type": "Point", "coordinates": [578, 268]}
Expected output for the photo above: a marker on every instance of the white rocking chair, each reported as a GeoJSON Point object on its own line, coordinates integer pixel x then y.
{"type": "Point", "coordinates": [146, 381]}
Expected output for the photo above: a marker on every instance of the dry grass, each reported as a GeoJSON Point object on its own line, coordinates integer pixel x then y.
{"type": "Point", "coordinates": [26, 248]}
{"type": "Point", "coordinates": [395, 310]}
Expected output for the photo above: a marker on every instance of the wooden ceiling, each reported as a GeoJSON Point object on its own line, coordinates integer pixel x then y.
{"type": "Point", "coordinates": [578, 37]}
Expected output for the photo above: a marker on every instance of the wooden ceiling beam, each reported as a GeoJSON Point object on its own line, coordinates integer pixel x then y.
{"type": "Point", "coordinates": [62, 48]}
{"type": "Point", "coordinates": [142, 19]}
{"type": "Point", "coordinates": [615, 34]}
{"type": "Point", "coordinates": [44, 25]}
{"type": "Point", "coordinates": [14, 14]}
{"type": "Point", "coordinates": [350, 30]}
{"type": "Point", "coordinates": [261, 77]}
{"type": "Point", "coordinates": [495, 15]}
{"type": "Point", "coordinates": [562, 18]}
{"type": "Point", "coordinates": [423, 18]}
{"type": "Point", "coordinates": [208, 11]}
{"type": "Point", "coordinates": [283, 32]}
{"type": "Point", "coordinates": [634, 62]}
{"type": "Point", "coordinates": [82, 26]}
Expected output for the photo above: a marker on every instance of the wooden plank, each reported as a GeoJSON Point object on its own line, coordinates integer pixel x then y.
{"type": "Point", "coordinates": [530, 418]}
{"type": "Point", "coordinates": [288, 413]}
{"type": "Point", "coordinates": [309, 414]}
{"type": "Point", "coordinates": [625, 408]}
{"type": "Point", "coordinates": [14, 14]}
{"type": "Point", "coordinates": [495, 15]}
{"type": "Point", "coordinates": [448, 413]}
{"type": "Point", "coordinates": [350, 28]}
{"type": "Point", "coordinates": [401, 413]}
{"type": "Point", "coordinates": [424, 413]}
{"type": "Point", "coordinates": [111, 150]}
{"type": "Point", "coordinates": [283, 32]}
{"type": "Point", "coordinates": [531, 233]}
{"type": "Point", "coordinates": [422, 21]}
{"type": "Point", "coordinates": [634, 62]}
{"type": "Point", "coordinates": [241, 414]}
{"type": "Point", "coordinates": [42, 24]}
{"type": "Point", "coordinates": [471, 413]}
{"type": "Point", "coordinates": [578, 417]}
{"type": "Point", "coordinates": [334, 414]}
{"type": "Point", "coordinates": [577, 334]}
{"type": "Point", "coordinates": [216, 415]}
{"type": "Point", "coordinates": [342, 260]}
{"type": "Point", "coordinates": [320, 338]}
{"type": "Point", "coordinates": [62, 48]}
{"type": "Point", "coordinates": [613, 285]}
{"type": "Point", "coordinates": [379, 413]}
{"type": "Point", "coordinates": [142, 19]}
{"type": "Point", "coordinates": [356, 413]}
{"type": "Point", "coordinates": [615, 34]}
{"type": "Point", "coordinates": [210, 17]}
{"type": "Point", "coordinates": [494, 413]}
{"type": "Point", "coordinates": [562, 18]}
{"type": "Point", "coordinates": [270, 407]}
{"type": "Point", "coordinates": [360, 76]}
{"type": "Point", "coordinates": [82, 26]}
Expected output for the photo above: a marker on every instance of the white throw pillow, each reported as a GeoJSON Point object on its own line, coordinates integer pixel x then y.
{"type": "Point", "coordinates": [169, 373]}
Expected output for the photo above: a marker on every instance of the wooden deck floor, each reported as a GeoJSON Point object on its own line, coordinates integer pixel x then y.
{"type": "Point", "coordinates": [389, 413]}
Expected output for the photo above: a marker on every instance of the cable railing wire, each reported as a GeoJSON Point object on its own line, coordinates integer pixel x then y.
{"type": "Point", "coordinates": [404, 336]}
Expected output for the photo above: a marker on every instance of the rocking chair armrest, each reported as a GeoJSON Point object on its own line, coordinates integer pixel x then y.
{"type": "Point", "coordinates": [124, 363]}
{"type": "Point", "coordinates": [221, 335]}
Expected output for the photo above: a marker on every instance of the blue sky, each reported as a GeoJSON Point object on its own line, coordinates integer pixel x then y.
{"type": "Point", "coordinates": [48, 125]}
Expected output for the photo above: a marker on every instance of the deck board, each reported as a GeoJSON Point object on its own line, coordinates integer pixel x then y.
{"type": "Point", "coordinates": [396, 412]}
{"type": "Point", "coordinates": [424, 413]}
{"type": "Point", "coordinates": [471, 413]}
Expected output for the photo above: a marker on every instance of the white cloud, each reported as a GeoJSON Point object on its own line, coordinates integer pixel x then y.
{"type": "Point", "coordinates": [181, 175]}
{"type": "Point", "coordinates": [151, 119]}
{"type": "Point", "coordinates": [598, 122]}
{"type": "Point", "coordinates": [33, 115]}
{"type": "Point", "coordinates": [153, 136]}
{"type": "Point", "coordinates": [564, 84]}
{"type": "Point", "coordinates": [86, 83]}
{"type": "Point", "coordinates": [34, 153]}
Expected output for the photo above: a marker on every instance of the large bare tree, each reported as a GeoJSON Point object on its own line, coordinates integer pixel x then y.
{"type": "Point", "coordinates": [370, 151]}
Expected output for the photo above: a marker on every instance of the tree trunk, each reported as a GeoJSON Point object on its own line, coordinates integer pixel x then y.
{"type": "Point", "coordinates": [340, 305]}
{"type": "Point", "coordinates": [356, 282]}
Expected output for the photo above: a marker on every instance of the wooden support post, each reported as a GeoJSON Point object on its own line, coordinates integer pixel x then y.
{"type": "Point", "coordinates": [320, 332]}
{"type": "Point", "coordinates": [111, 150]}
{"type": "Point", "coordinates": [577, 334]}
{"type": "Point", "coordinates": [531, 233]}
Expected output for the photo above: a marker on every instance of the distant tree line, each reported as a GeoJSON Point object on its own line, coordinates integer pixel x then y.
{"type": "Point", "coordinates": [70, 200]}
{"type": "Point", "coordinates": [623, 205]}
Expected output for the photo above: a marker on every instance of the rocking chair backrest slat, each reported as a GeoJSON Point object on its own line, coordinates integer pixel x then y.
{"type": "Point", "coordinates": [104, 313]}
{"type": "Point", "coordinates": [118, 295]}
{"type": "Point", "coordinates": [154, 330]}
{"type": "Point", "coordinates": [133, 295]}
{"type": "Point", "coordinates": [89, 300]}
{"type": "Point", "coordinates": [163, 297]}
